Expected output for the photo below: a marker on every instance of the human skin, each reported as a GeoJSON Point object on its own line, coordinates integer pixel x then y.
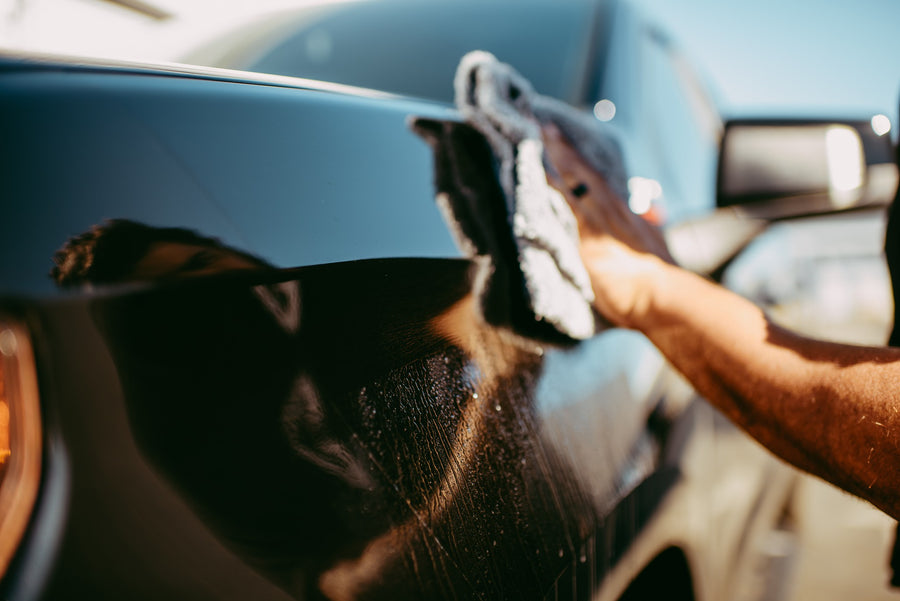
{"type": "Point", "coordinates": [830, 409]}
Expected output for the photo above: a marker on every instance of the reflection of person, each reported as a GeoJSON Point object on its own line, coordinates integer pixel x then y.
{"type": "Point", "coordinates": [830, 409]}
{"type": "Point", "coordinates": [120, 250]}
{"type": "Point", "coordinates": [355, 454]}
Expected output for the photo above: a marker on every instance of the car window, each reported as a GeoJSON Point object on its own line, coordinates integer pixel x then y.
{"type": "Point", "coordinates": [413, 48]}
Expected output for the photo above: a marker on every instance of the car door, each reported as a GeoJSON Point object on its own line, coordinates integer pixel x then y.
{"type": "Point", "coordinates": [293, 386]}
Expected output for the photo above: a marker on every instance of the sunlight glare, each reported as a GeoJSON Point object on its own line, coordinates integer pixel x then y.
{"type": "Point", "coordinates": [844, 153]}
{"type": "Point", "coordinates": [642, 191]}
{"type": "Point", "coordinates": [881, 124]}
{"type": "Point", "coordinates": [605, 110]}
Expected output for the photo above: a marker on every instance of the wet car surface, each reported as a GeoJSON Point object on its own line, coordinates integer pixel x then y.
{"type": "Point", "coordinates": [293, 389]}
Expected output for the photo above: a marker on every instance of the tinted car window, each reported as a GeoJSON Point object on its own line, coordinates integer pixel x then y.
{"type": "Point", "coordinates": [413, 48]}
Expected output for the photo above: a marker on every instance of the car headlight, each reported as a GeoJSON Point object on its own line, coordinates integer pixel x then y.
{"type": "Point", "coordinates": [20, 438]}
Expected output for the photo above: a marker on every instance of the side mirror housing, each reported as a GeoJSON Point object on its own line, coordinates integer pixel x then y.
{"type": "Point", "coordinates": [774, 169]}
{"type": "Point", "coordinates": [771, 170]}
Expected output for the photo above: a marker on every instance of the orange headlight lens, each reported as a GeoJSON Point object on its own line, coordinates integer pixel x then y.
{"type": "Point", "coordinates": [20, 438]}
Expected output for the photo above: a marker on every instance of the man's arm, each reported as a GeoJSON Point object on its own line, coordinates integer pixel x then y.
{"type": "Point", "coordinates": [830, 409]}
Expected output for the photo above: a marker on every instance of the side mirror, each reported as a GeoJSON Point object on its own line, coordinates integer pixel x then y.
{"type": "Point", "coordinates": [771, 170]}
{"type": "Point", "coordinates": [776, 169]}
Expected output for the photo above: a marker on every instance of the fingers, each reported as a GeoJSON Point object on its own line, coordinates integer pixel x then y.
{"type": "Point", "coordinates": [574, 172]}
{"type": "Point", "coordinates": [598, 210]}
{"type": "Point", "coordinates": [561, 154]}
{"type": "Point", "coordinates": [594, 203]}
{"type": "Point", "coordinates": [574, 177]}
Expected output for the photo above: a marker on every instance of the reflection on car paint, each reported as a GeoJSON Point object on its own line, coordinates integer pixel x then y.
{"type": "Point", "coordinates": [359, 429]}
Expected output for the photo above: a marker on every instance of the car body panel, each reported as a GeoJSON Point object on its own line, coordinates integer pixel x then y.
{"type": "Point", "coordinates": [339, 420]}
{"type": "Point", "coordinates": [130, 147]}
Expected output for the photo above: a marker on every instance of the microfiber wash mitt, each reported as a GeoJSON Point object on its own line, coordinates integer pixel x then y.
{"type": "Point", "coordinates": [502, 105]}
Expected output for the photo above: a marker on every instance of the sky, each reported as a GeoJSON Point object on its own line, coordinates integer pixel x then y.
{"type": "Point", "coordinates": [770, 56]}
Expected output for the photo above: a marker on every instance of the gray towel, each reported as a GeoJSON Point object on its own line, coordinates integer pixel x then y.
{"type": "Point", "coordinates": [491, 187]}
{"type": "Point", "coordinates": [503, 106]}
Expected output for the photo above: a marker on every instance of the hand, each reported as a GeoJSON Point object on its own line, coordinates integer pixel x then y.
{"type": "Point", "coordinates": [625, 255]}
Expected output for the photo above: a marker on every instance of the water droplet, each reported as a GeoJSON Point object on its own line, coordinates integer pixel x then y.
{"type": "Point", "coordinates": [475, 395]}
{"type": "Point", "coordinates": [560, 552]}
{"type": "Point", "coordinates": [497, 407]}
{"type": "Point", "coordinates": [583, 558]}
{"type": "Point", "coordinates": [495, 543]}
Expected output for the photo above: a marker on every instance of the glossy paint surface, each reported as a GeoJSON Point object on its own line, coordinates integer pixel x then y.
{"type": "Point", "coordinates": [305, 392]}
{"type": "Point", "coordinates": [367, 438]}
{"type": "Point", "coordinates": [293, 176]}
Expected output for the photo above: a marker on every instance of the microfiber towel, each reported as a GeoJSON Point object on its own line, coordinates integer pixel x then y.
{"type": "Point", "coordinates": [502, 105]}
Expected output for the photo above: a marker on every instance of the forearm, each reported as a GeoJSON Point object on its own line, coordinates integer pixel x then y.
{"type": "Point", "coordinates": [833, 410]}
{"type": "Point", "coordinates": [830, 409]}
